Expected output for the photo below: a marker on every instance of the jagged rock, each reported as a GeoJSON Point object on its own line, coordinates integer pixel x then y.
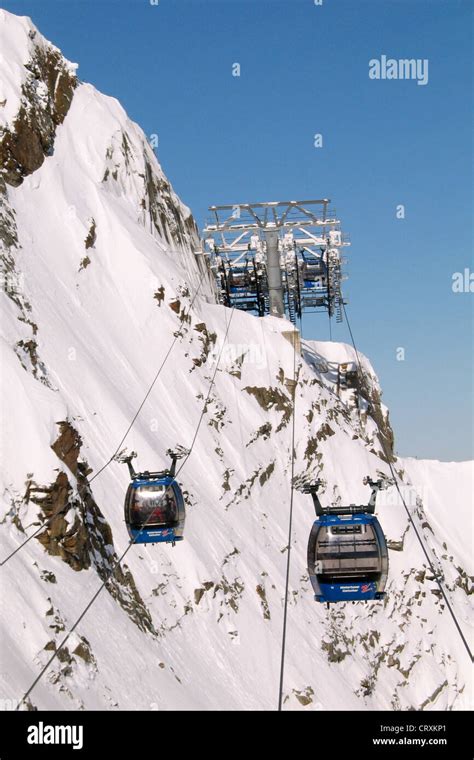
{"type": "Point", "coordinates": [325, 431]}
{"type": "Point", "coordinates": [305, 697]}
{"type": "Point", "coordinates": [395, 546]}
{"type": "Point", "coordinates": [208, 341]}
{"type": "Point", "coordinates": [274, 399]}
{"type": "Point", "coordinates": [91, 238]}
{"type": "Point", "coordinates": [48, 577]}
{"type": "Point", "coordinates": [334, 653]}
{"type": "Point", "coordinates": [25, 144]}
{"type": "Point", "coordinates": [263, 600]}
{"type": "Point", "coordinates": [160, 295]}
{"type": "Point", "coordinates": [264, 431]}
{"type": "Point", "coordinates": [265, 475]}
{"type": "Point", "coordinates": [77, 531]}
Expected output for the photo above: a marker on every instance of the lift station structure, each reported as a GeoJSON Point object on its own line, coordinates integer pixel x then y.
{"type": "Point", "coordinates": [279, 258]}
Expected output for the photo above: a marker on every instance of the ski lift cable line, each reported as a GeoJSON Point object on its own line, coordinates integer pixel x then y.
{"type": "Point", "coordinates": [257, 546]}
{"type": "Point", "coordinates": [290, 528]}
{"type": "Point", "coordinates": [410, 517]}
{"type": "Point", "coordinates": [134, 539]}
{"type": "Point", "coordinates": [177, 335]}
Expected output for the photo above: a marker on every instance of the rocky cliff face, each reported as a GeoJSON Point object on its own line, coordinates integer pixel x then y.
{"type": "Point", "coordinates": [35, 112]}
{"type": "Point", "coordinates": [99, 269]}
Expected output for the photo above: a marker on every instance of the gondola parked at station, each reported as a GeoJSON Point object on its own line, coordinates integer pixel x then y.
{"type": "Point", "coordinates": [347, 550]}
{"type": "Point", "coordinates": [154, 504]}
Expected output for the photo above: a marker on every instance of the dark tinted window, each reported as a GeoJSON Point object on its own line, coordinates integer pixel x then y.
{"type": "Point", "coordinates": [153, 505]}
{"type": "Point", "coordinates": [346, 551]}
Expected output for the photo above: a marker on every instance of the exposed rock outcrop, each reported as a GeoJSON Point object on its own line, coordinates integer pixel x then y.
{"type": "Point", "coordinates": [47, 93]}
{"type": "Point", "coordinates": [76, 530]}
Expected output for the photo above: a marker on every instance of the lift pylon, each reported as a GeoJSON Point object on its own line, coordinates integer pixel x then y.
{"type": "Point", "coordinates": [279, 257]}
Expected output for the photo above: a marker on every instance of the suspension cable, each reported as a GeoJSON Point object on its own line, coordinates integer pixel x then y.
{"type": "Point", "coordinates": [177, 335]}
{"type": "Point", "coordinates": [290, 527]}
{"type": "Point", "coordinates": [395, 478]}
{"type": "Point", "coordinates": [134, 539]}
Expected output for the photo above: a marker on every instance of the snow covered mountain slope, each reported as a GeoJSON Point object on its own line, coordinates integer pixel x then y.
{"type": "Point", "coordinates": [98, 271]}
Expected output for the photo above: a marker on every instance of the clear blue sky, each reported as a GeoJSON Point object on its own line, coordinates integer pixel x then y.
{"type": "Point", "coordinates": [304, 70]}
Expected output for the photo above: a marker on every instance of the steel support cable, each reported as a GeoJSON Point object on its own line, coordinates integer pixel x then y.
{"type": "Point", "coordinates": [270, 659]}
{"type": "Point", "coordinates": [132, 541]}
{"type": "Point", "coordinates": [410, 517]}
{"type": "Point", "coordinates": [208, 397]}
{"type": "Point", "coordinates": [45, 524]}
{"type": "Point", "coordinates": [290, 528]}
{"type": "Point", "coordinates": [177, 335]}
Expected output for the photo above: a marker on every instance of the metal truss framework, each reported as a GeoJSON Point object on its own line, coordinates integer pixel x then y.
{"type": "Point", "coordinates": [279, 258]}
